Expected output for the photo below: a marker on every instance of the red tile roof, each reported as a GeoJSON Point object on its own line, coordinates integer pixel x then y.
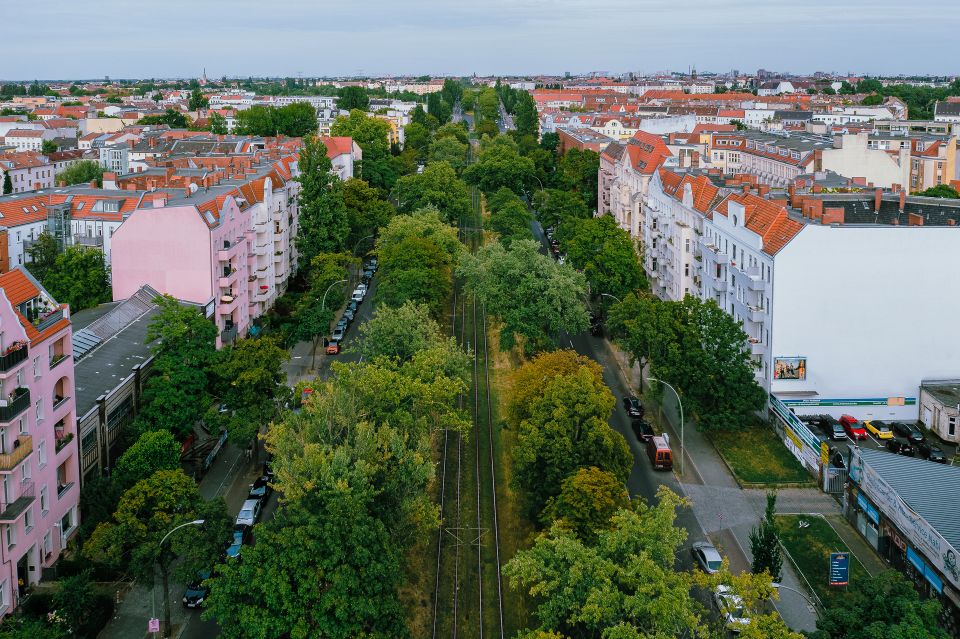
{"type": "Point", "coordinates": [647, 152]}
{"type": "Point", "coordinates": [767, 219]}
{"type": "Point", "coordinates": [19, 288]}
{"type": "Point", "coordinates": [338, 146]}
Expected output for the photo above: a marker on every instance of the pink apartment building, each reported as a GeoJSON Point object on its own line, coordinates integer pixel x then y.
{"type": "Point", "coordinates": [39, 471]}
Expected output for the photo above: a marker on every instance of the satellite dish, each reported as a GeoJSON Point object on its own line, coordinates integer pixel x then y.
{"type": "Point", "coordinates": [193, 187]}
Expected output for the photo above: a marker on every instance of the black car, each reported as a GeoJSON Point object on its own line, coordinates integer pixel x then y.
{"type": "Point", "coordinates": [642, 430]}
{"type": "Point", "coordinates": [910, 431]}
{"type": "Point", "coordinates": [596, 328]}
{"type": "Point", "coordinates": [900, 446]}
{"type": "Point", "coordinates": [831, 428]}
{"type": "Point", "coordinates": [268, 470]}
{"type": "Point", "coordinates": [931, 452]}
{"type": "Point", "coordinates": [837, 460]}
{"type": "Point", "coordinates": [196, 590]}
{"type": "Point", "coordinates": [633, 406]}
{"type": "Point", "coordinates": [260, 489]}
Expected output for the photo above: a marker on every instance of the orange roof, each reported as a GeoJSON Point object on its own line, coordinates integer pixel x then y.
{"type": "Point", "coordinates": [19, 288]}
{"type": "Point", "coordinates": [765, 218]}
{"type": "Point", "coordinates": [647, 152]}
{"type": "Point", "coordinates": [704, 191]}
{"type": "Point", "coordinates": [714, 128]}
{"type": "Point", "coordinates": [338, 146]}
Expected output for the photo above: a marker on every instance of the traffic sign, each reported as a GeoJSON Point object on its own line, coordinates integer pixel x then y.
{"type": "Point", "coordinates": [153, 625]}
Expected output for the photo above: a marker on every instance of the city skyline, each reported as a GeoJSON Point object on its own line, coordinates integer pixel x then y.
{"type": "Point", "coordinates": [496, 38]}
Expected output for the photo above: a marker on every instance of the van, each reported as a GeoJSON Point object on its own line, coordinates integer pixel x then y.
{"type": "Point", "coordinates": [658, 450]}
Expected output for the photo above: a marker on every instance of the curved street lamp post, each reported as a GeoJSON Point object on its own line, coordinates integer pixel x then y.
{"type": "Point", "coordinates": [166, 578]}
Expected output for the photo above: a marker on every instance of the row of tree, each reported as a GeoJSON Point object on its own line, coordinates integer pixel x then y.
{"type": "Point", "coordinates": [76, 275]}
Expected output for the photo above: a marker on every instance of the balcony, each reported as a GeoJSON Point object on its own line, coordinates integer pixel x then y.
{"type": "Point", "coordinates": [50, 319]}
{"type": "Point", "coordinates": [22, 447]}
{"type": "Point", "coordinates": [58, 359]}
{"type": "Point", "coordinates": [229, 277]}
{"type": "Point", "coordinates": [88, 242]}
{"type": "Point", "coordinates": [227, 304]}
{"type": "Point", "coordinates": [260, 249]}
{"type": "Point", "coordinates": [752, 276]}
{"type": "Point", "coordinates": [15, 354]}
{"type": "Point", "coordinates": [12, 511]}
{"type": "Point", "coordinates": [755, 347]}
{"type": "Point", "coordinates": [720, 286]}
{"type": "Point", "coordinates": [18, 402]}
{"type": "Point", "coordinates": [756, 314]}
{"type": "Point", "coordinates": [59, 401]}
{"type": "Point", "coordinates": [229, 335]}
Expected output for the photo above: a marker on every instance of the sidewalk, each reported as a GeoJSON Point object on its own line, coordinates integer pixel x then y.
{"type": "Point", "coordinates": [229, 477]}
{"type": "Point", "coordinates": [857, 545]}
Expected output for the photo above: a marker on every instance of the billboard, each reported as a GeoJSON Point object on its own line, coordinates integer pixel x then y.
{"type": "Point", "coordinates": [839, 568]}
{"type": "Point", "coordinates": [790, 368]}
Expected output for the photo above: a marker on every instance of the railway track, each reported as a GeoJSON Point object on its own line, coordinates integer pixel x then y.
{"type": "Point", "coordinates": [468, 593]}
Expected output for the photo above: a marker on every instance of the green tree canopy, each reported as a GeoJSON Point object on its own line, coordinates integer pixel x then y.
{"type": "Point", "coordinates": [532, 295]}
{"type": "Point", "coordinates": [437, 186]}
{"type": "Point", "coordinates": [578, 170]}
{"type": "Point", "coordinates": [79, 278]}
{"type": "Point", "coordinates": [501, 165]}
{"type": "Point", "coordinates": [153, 451]}
{"type": "Point", "coordinates": [82, 172]}
{"type": "Point", "coordinates": [765, 542]}
{"type": "Point", "coordinates": [525, 115]}
{"type": "Point", "coordinates": [172, 118]}
{"type": "Point", "coordinates": [197, 100]}
{"type": "Point", "coordinates": [399, 332]}
{"type": "Point", "coordinates": [450, 150]}
{"type": "Point", "coordinates": [323, 215]}
{"type": "Point", "coordinates": [367, 211]}
{"type": "Point", "coordinates": [587, 501]}
{"type": "Point", "coordinates": [297, 119]}
{"type": "Point", "coordinates": [605, 254]}
{"type": "Point", "coordinates": [43, 254]}
{"type": "Point", "coordinates": [455, 130]}
{"type": "Point", "coordinates": [372, 135]}
{"type": "Point", "coordinates": [350, 98]}
{"type": "Point", "coordinates": [509, 216]}
{"type": "Point", "coordinates": [218, 124]}
{"type": "Point", "coordinates": [941, 190]}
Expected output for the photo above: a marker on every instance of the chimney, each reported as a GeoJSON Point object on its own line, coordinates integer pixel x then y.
{"type": "Point", "coordinates": [914, 220]}
{"type": "Point", "coordinates": [903, 200]}
{"type": "Point", "coordinates": [951, 221]}
{"type": "Point", "coordinates": [817, 188]}
{"type": "Point", "coordinates": [792, 194]}
{"type": "Point", "coordinates": [746, 188]}
{"type": "Point", "coordinates": [37, 186]}
{"type": "Point", "coordinates": [833, 215]}
{"type": "Point", "coordinates": [877, 198]}
{"type": "Point", "coordinates": [764, 189]}
{"type": "Point", "coordinates": [159, 200]}
{"type": "Point", "coordinates": [93, 184]}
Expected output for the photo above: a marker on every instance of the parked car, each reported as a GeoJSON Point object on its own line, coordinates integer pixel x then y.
{"type": "Point", "coordinates": [349, 313]}
{"type": "Point", "coordinates": [249, 512]}
{"type": "Point", "coordinates": [343, 324]}
{"type": "Point", "coordinates": [353, 305]}
{"type": "Point", "coordinates": [880, 430]}
{"type": "Point", "coordinates": [260, 489]}
{"type": "Point", "coordinates": [241, 535]}
{"type": "Point", "coordinates": [854, 428]}
{"type": "Point", "coordinates": [660, 453]}
{"type": "Point", "coordinates": [900, 445]}
{"type": "Point", "coordinates": [196, 590]}
{"type": "Point", "coordinates": [731, 608]}
{"type": "Point", "coordinates": [268, 469]}
{"type": "Point", "coordinates": [642, 430]}
{"type": "Point", "coordinates": [931, 452]}
{"type": "Point", "coordinates": [837, 460]}
{"type": "Point", "coordinates": [830, 426]}
{"type": "Point", "coordinates": [337, 334]}
{"type": "Point", "coordinates": [707, 557]}
{"type": "Point", "coordinates": [357, 295]}
{"type": "Point", "coordinates": [908, 430]}
{"type": "Point", "coordinates": [633, 406]}
{"type": "Point", "coordinates": [333, 347]}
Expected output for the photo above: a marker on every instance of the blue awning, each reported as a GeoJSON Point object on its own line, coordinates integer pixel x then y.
{"type": "Point", "coordinates": [914, 558]}
{"type": "Point", "coordinates": [868, 508]}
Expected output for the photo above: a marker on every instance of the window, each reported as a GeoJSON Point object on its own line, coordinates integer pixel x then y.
{"type": "Point", "coordinates": [4, 596]}
{"type": "Point", "coordinates": [11, 537]}
{"type": "Point", "coordinates": [44, 501]}
{"type": "Point", "coordinates": [36, 367]}
{"type": "Point", "coordinates": [25, 471]}
{"type": "Point", "coordinates": [686, 245]}
{"type": "Point", "coordinates": [28, 520]}
{"type": "Point", "coordinates": [22, 425]}
{"type": "Point", "coordinates": [952, 426]}
{"type": "Point", "coordinates": [47, 544]}
{"type": "Point", "coordinates": [42, 454]}
{"type": "Point", "coordinates": [39, 410]}
{"type": "Point", "coordinates": [686, 270]}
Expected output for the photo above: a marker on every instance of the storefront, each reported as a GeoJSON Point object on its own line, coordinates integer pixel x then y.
{"type": "Point", "coordinates": [897, 503]}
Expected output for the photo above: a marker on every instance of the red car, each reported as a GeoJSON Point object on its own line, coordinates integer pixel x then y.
{"type": "Point", "coordinates": [333, 347]}
{"type": "Point", "coordinates": [854, 429]}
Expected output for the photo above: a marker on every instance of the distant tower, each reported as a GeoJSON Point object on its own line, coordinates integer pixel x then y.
{"type": "Point", "coordinates": [203, 79]}
{"type": "Point", "coordinates": [693, 73]}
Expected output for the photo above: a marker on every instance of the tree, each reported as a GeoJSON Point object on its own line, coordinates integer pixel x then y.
{"type": "Point", "coordinates": [43, 255]}
{"type": "Point", "coordinates": [869, 85]}
{"type": "Point", "coordinates": [327, 569]}
{"type": "Point", "coordinates": [438, 108]}
{"type": "Point", "coordinates": [197, 100]}
{"type": "Point", "coordinates": [314, 312]}
{"type": "Point", "coordinates": [251, 380]}
{"type": "Point", "coordinates": [500, 165]}
{"type": "Point", "coordinates": [533, 296]}
{"type": "Point", "coordinates": [941, 190]}
{"type": "Point", "coordinates": [23, 627]}
{"type": "Point", "coordinates": [622, 586]}
{"type": "Point", "coordinates": [605, 254]}
{"type": "Point", "coordinates": [82, 172]}
{"type": "Point", "coordinates": [587, 501]}
{"type": "Point", "coordinates": [48, 147]}
{"type": "Point", "coordinates": [73, 601]}
{"type": "Point", "coordinates": [437, 186]}
{"type": "Point", "coordinates": [172, 118]}
{"type": "Point", "coordinates": [455, 130]}
{"type": "Point", "coordinates": [829, 91]}
{"type": "Point", "coordinates": [7, 183]}
{"type": "Point", "coordinates": [633, 324]}
{"type": "Point", "coordinates": [527, 381]}
{"type": "Point", "coordinates": [350, 98]}
{"type": "Point", "coordinates": [372, 135]}
{"type": "Point", "coordinates": [323, 215]}
{"type": "Point", "coordinates": [153, 451]}
{"type": "Point", "coordinates": [509, 216]}
{"type": "Point", "coordinates": [872, 100]}
{"type": "Point", "coordinates": [846, 88]}
{"type": "Point", "coordinates": [79, 278]}
{"type": "Point", "coordinates": [296, 120]}
{"type": "Point", "coordinates": [903, 613]}
{"type": "Point", "coordinates": [566, 429]}
{"type": "Point", "coordinates": [550, 142]}
{"type": "Point", "coordinates": [366, 211]}
{"type": "Point", "coordinates": [525, 115]}
{"type": "Point", "coordinates": [399, 332]}
{"type": "Point", "coordinates": [765, 542]}
{"type": "Point", "coordinates": [175, 396]}
{"type": "Point", "coordinates": [417, 138]}
{"type": "Point", "coordinates": [415, 269]}
{"type": "Point", "coordinates": [218, 124]}
{"type": "Point", "coordinates": [450, 150]}
{"type": "Point", "coordinates": [578, 170]}
{"type": "Point", "coordinates": [556, 206]}
{"type": "Point", "coordinates": [146, 513]}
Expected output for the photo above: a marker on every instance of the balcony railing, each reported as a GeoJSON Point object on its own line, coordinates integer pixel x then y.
{"type": "Point", "coordinates": [57, 359]}
{"type": "Point", "coordinates": [228, 335]}
{"type": "Point", "coordinates": [22, 446]}
{"type": "Point", "coordinates": [19, 353]}
{"type": "Point", "coordinates": [12, 511]}
{"type": "Point", "coordinates": [49, 320]}
{"type": "Point", "coordinates": [59, 401]}
{"type": "Point", "coordinates": [19, 401]}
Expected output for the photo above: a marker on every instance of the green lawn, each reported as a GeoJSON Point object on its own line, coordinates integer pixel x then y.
{"type": "Point", "coordinates": [757, 456]}
{"type": "Point", "coordinates": [810, 548]}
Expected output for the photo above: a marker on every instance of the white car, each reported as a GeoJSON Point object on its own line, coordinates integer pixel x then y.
{"type": "Point", "coordinates": [731, 608]}
{"type": "Point", "coordinates": [249, 512]}
{"type": "Point", "coordinates": [707, 557]}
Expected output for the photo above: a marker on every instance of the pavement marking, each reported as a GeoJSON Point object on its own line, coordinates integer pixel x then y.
{"type": "Point", "coordinates": [228, 475]}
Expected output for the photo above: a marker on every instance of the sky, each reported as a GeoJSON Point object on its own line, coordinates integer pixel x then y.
{"type": "Point", "coordinates": [63, 39]}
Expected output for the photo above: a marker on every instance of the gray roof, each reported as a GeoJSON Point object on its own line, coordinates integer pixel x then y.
{"type": "Point", "coordinates": [947, 393]}
{"type": "Point", "coordinates": [929, 488]}
{"type": "Point", "coordinates": [791, 114]}
{"type": "Point", "coordinates": [946, 108]}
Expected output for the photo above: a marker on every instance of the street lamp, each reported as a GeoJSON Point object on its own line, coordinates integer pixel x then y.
{"type": "Point", "coordinates": [166, 579]}
{"type": "Point", "coordinates": [619, 301]}
{"type": "Point", "coordinates": [357, 245]}
{"type": "Point", "coordinates": [810, 602]}
{"type": "Point", "coordinates": [680, 404]}
{"type": "Point", "coordinates": [323, 304]}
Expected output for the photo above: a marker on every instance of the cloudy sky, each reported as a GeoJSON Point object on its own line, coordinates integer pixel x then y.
{"type": "Point", "coordinates": [56, 39]}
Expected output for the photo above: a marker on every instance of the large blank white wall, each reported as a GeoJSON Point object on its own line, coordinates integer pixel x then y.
{"type": "Point", "coordinates": [874, 309]}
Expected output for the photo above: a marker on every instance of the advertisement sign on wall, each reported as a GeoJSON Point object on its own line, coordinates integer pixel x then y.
{"type": "Point", "coordinates": [790, 368]}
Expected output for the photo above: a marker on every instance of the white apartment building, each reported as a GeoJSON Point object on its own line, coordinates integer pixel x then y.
{"type": "Point", "coordinates": [625, 172]}
{"type": "Point", "coordinates": [827, 290]}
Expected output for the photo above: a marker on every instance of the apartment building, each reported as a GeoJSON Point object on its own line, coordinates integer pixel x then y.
{"type": "Point", "coordinates": [805, 273]}
{"type": "Point", "coordinates": [27, 139]}
{"type": "Point", "coordinates": [38, 463]}
{"type": "Point", "coordinates": [28, 171]}
{"type": "Point", "coordinates": [625, 173]}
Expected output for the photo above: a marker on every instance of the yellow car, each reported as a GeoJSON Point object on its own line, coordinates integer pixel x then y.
{"type": "Point", "coordinates": [879, 429]}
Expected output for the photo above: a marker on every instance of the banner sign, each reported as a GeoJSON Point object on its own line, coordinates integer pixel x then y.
{"type": "Point", "coordinates": [839, 568]}
{"type": "Point", "coordinates": [851, 401]}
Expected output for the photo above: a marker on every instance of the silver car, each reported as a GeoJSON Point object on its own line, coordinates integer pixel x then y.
{"type": "Point", "coordinates": [249, 513]}
{"type": "Point", "coordinates": [707, 557]}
